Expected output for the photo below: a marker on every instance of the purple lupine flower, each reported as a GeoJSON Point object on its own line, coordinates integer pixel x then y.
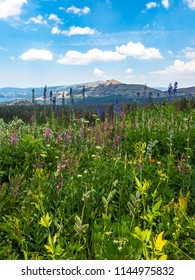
{"type": "Point", "coordinates": [99, 111]}
{"type": "Point", "coordinates": [14, 138]}
{"type": "Point", "coordinates": [47, 132]}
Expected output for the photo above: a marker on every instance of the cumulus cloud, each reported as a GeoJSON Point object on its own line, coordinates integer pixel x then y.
{"type": "Point", "coordinates": [139, 51]}
{"type": "Point", "coordinates": [188, 53]}
{"type": "Point", "coordinates": [98, 72]}
{"type": "Point", "coordinates": [78, 11]}
{"type": "Point", "coordinates": [129, 71]}
{"type": "Point", "coordinates": [37, 20]}
{"type": "Point", "coordinates": [165, 3]}
{"type": "Point", "coordinates": [74, 30]}
{"type": "Point", "coordinates": [55, 30]}
{"type": "Point", "coordinates": [55, 18]}
{"type": "Point", "coordinates": [36, 54]}
{"type": "Point", "coordinates": [151, 5]}
{"type": "Point", "coordinates": [178, 67]}
{"type": "Point", "coordinates": [190, 3]}
{"type": "Point", "coordinates": [135, 50]}
{"type": "Point", "coordinates": [78, 58]}
{"type": "Point", "coordinates": [11, 8]}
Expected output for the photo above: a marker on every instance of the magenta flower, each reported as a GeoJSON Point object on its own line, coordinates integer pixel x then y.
{"type": "Point", "coordinates": [57, 187]}
{"type": "Point", "coordinates": [59, 167]}
{"type": "Point", "coordinates": [14, 138]}
{"type": "Point", "coordinates": [59, 136]}
{"type": "Point", "coordinates": [108, 133]}
{"type": "Point", "coordinates": [47, 132]}
{"type": "Point", "coordinates": [119, 138]}
{"type": "Point", "coordinates": [68, 136]}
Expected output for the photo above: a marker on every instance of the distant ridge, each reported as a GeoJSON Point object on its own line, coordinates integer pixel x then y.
{"type": "Point", "coordinates": [102, 89]}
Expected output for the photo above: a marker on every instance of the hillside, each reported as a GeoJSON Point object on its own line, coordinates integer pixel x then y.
{"type": "Point", "coordinates": [95, 92]}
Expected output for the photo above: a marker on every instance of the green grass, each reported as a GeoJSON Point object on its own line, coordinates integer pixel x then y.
{"type": "Point", "coordinates": [120, 188]}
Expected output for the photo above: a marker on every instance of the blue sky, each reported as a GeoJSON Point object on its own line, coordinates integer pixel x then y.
{"type": "Point", "coordinates": [63, 42]}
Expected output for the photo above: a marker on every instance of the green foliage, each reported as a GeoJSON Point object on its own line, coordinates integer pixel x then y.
{"type": "Point", "coordinates": [84, 188]}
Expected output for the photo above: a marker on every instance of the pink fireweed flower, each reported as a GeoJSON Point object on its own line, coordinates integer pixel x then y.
{"type": "Point", "coordinates": [14, 138]}
{"type": "Point", "coordinates": [108, 133]}
{"type": "Point", "coordinates": [119, 138]}
{"type": "Point", "coordinates": [59, 136]}
{"type": "Point", "coordinates": [59, 167]}
{"type": "Point", "coordinates": [47, 132]}
{"type": "Point", "coordinates": [122, 125]}
{"type": "Point", "coordinates": [68, 136]}
{"type": "Point", "coordinates": [32, 117]}
{"type": "Point", "coordinates": [57, 187]}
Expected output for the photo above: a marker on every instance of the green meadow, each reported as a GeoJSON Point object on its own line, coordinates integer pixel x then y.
{"type": "Point", "coordinates": [91, 185]}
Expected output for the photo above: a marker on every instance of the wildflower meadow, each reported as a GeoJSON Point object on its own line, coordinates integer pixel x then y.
{"type": "Point", "coordinates": [101, 184]}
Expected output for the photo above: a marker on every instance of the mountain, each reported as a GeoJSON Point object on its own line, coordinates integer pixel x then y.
{"type": "Point", "coordinates": [102, 91]}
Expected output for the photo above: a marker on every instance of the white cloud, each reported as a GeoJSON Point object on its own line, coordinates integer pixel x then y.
{"type": "Point", "coordinates": [188, 53]}
{"type": "Point", "coordinates": [129, 71]}
{"type": "Point", "coordinates": [78, 58]}
{"type": "Point", "coordinates": [190, 3]}
{"type": "Point", "coordinates": [178, 67]}
{"type": "Point", "coordinates": [97, 72]}
{"type": "Point", "coordinates": [36, 54]}
{"type": "Point", "coordinates": [139, 51]}
{"type": "Point", "coordinates": [170, 52]}
{"type": "Point", "coordinates": [11, 8]}
{"type": "Point", "coordinates": [55, 18]}
{"type": "Point", "coordinates": [151, 5]}
{"type": "Point", "coordinates": [78, 11]}
{"type": "Point", "coordinates": [165, 3]}
{"type": "Point", "coordinates": [37, 20]}
{"type": "Point", "coordinates": [55, 30]}
{"type": "Point", "coordinates": [74, 30]}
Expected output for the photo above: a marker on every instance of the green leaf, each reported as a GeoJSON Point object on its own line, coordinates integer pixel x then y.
{"type": "Point", "coordinates": [133, 199]}
{"type": "Point", "coordinates": [49, 249]}
{"type": "Point", "coordinates": [139, 184]}
{"type": "Point", "coordinates": [105, 202]}
{"type": "Point", "coordinates": [110, 196]}
{"type": "Point", "coordinates": [85, 228]}
{"type": "Point", "coordinates": [130, 206]}
{"type": "Point", "coordinates": [156, 206]}
{"type": "Point", "coordinates": [46, 221]}
{"type": "Point", "coordinates": [78, 220]}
